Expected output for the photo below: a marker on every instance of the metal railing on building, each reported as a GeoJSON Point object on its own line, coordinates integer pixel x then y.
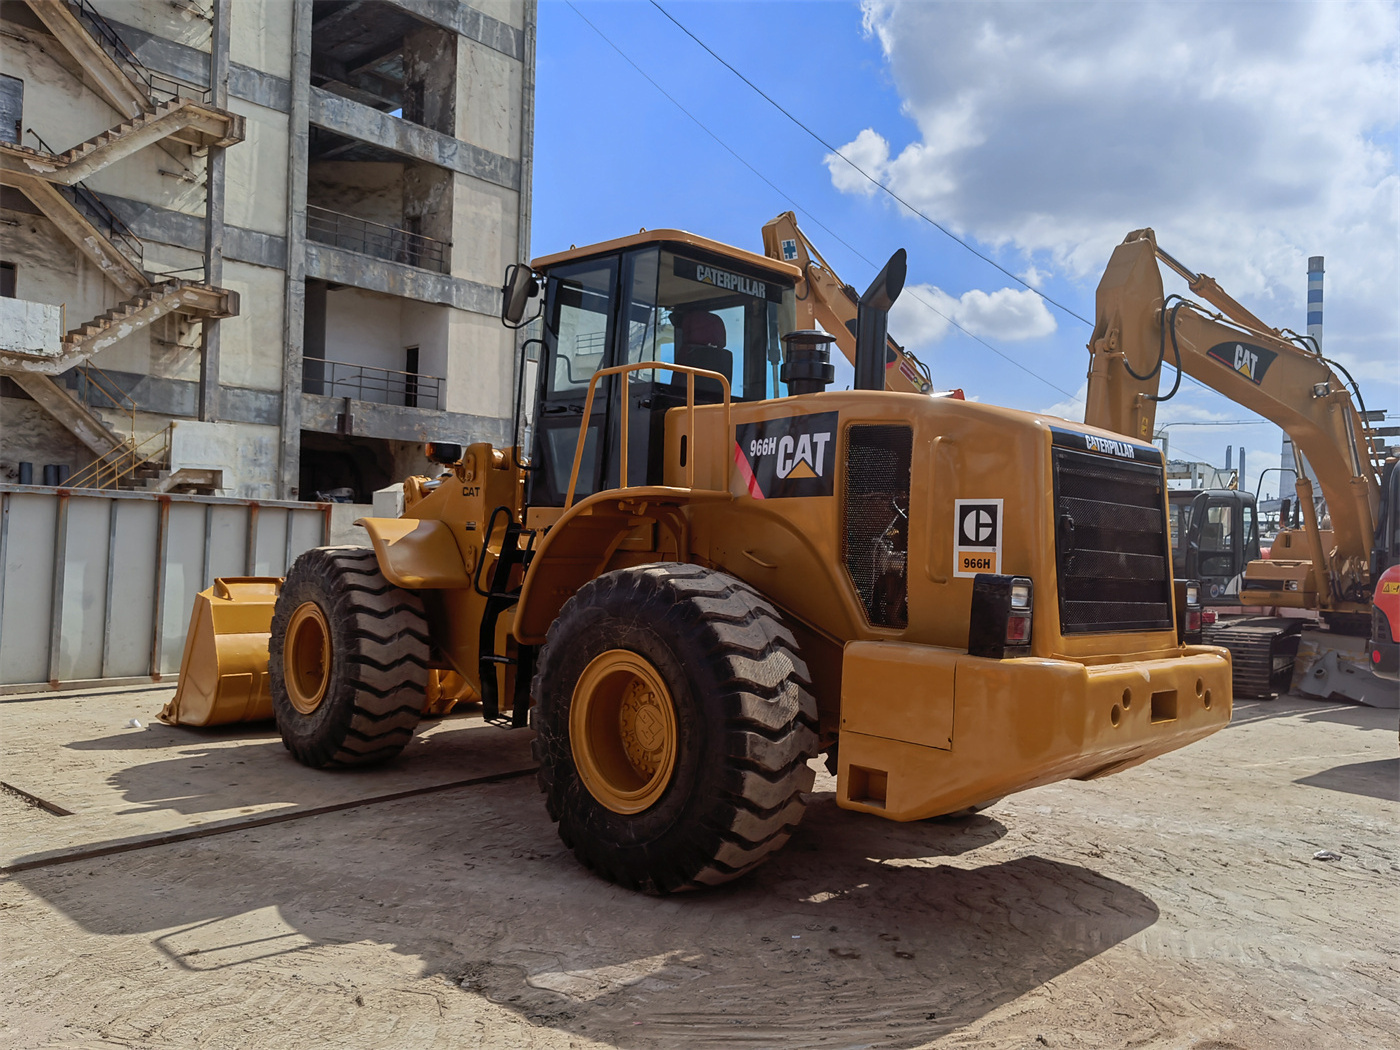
{"type": "Point", "coordinates": [160, 87]}
{"type": "Point", "coordinates": [383, 386]}
{"type": "Point", "coordinates": [375, 238]}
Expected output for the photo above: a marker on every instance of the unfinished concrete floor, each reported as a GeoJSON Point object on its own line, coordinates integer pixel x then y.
{"type": "Point", "coordinates": [1174, 905]}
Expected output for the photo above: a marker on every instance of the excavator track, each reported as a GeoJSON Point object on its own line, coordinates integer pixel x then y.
{"type": "Point", "coordinates": [1261, 653]}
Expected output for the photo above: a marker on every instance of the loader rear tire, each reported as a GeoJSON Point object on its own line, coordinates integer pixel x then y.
{"type": "Point", "coordinates": [675, 721]}
{"type": "Point", "coordinates": [347, 660]}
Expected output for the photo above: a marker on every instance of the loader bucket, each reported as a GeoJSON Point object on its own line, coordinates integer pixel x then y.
{"type": "Point", "coordinates": [223, 674]}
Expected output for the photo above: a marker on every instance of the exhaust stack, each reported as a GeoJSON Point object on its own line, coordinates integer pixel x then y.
{"type": "Point", "coordinates": [872, 322]}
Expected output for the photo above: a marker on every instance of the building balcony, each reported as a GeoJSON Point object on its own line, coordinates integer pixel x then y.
{"type": "Point", "coordinates": [376, 239]}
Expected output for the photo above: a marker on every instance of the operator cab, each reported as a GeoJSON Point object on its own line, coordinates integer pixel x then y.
{"type": "Point", "coordinates": [663, 296]}
{"type": "Point", "coordinates": [1215, 535]}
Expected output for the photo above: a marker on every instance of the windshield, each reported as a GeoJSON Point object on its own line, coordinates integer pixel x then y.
{"type": "Point", "coordinates": [717, 316]}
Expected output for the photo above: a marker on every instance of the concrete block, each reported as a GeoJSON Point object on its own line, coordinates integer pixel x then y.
{"type": "Point", "coordinates": [247, 454]}
{"type": "Point", "coordinates": [31, 328]}
{"type": "Point", "coordinates": [344, 531]}
{"type": "Point", "coordinates": [388, 502]}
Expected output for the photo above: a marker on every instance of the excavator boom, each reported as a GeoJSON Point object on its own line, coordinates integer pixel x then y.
{"type": "Point", "coordinates": [1137, 329]}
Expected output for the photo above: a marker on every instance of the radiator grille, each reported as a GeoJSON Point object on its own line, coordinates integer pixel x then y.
{"type": "Point", "coordinates": [876, 535]}
{"type": "Point", "coordinates": [1112, 556]}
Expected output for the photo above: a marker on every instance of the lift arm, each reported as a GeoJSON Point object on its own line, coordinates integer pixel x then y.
{"type": "Point", "coordinates": [823, 298]}
{"type": "Point", "coordinates": [1242, 358]}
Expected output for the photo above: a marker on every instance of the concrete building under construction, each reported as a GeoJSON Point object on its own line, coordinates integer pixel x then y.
{"type": "Point", "coordinates": [255, 248]}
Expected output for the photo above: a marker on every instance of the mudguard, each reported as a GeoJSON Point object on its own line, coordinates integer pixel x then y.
{"type": "Point", "coordinates": [416, 554]}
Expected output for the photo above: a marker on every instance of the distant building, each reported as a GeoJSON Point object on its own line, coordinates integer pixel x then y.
{"type": "Point", "coordinates": [364, 167]}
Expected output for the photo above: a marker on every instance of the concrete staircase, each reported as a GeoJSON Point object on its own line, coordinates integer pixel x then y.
{"type": "Point", "coordinates": [80, 420]}
{"type": "Point", "coordinates": [143, 308]}
{"type": "Point", "coordinates": [154, 107]}
{"type": "Point", "coordinates": [92, 228]}
{"type": "Point", "coordinates": [184, 120]}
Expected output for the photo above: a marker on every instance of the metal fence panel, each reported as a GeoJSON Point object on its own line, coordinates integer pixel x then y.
{"type": "Point", "coordinates": [99, 585]}
{"type": "Point", "coordinates": [77, 653]}
{"type": "Point", "coordinates": [228, 542]}
{"type": "Point", "coordinates": [131, 570]}
{"type": "Point", "coordinates": [26, 591]}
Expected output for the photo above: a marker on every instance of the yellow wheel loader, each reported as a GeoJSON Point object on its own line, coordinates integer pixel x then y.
{"type": "Point", "coordinates": [703, 569]}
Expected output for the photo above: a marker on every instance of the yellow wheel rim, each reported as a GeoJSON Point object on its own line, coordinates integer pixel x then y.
{"type": "Point", "coordinates": [306, 657]}
{"type": "Point", "coordinates": [622, 730]}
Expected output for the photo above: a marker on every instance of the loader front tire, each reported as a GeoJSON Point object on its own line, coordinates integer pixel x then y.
{"type": "Point", "coordinates": [347, 660]}
{"type": "Point", "coordinates": [674, 724]}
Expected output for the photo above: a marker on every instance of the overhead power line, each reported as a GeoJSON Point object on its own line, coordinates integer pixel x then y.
{"type": "Point", "coordinates": [805, 211]}
{"type": "Point", "coordinates": [874, 181]}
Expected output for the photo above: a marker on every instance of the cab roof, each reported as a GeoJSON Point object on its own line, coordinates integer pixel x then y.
{"type": "Point", "coordinates": [678, 238]}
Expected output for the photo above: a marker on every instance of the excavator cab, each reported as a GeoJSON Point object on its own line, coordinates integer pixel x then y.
{"type": "Point", "coordinates": [1215, 534]}
{"type": "Point", "coordinates": [664, 296]}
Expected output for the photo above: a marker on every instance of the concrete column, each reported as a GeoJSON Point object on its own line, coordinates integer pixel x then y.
{"type": "Point", "coordinates": [214, 214]}
{"type": "Point", "coordinates": [294, 331]}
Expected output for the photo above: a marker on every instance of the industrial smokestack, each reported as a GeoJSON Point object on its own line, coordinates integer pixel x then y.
{"type": "Point", "coordinates": [1315, 298]}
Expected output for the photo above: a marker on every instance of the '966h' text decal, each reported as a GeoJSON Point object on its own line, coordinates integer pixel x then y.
{"type": "Point", "coordinates": [788, 456]}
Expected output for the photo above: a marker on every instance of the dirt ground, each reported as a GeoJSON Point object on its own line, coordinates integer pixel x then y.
{"type": "Point", "coordinates": [1177, 905]}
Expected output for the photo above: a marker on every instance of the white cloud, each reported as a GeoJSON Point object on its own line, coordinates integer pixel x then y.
{"type": "Point", "coordinates": [868, 152]}
{"type": "Point", "coordinates": [1250, 136]}
{"type": "Point", "coordinates": [921, 315]}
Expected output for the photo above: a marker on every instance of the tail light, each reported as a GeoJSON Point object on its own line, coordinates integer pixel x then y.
{"type": "Point", "coordinates": [1189, 615]}
{"type": "Point", "coordinates": [1000, 622]}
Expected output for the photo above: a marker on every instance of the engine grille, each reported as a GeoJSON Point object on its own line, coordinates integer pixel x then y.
{"type": "Point", "coordinates": [875, 540]}
{"type": "Point", "coordinates": [1112, 555]}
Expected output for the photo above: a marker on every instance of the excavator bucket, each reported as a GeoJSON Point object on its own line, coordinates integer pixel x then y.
{"type": "Point", "coordinates": [223, 674]}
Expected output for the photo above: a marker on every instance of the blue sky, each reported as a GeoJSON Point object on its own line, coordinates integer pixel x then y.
{"type": "Point", "coordinates": [1042, 133]}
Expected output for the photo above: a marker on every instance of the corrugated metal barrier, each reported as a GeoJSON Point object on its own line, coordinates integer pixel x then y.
{"type": "Point", "coordinates": [97, 586]}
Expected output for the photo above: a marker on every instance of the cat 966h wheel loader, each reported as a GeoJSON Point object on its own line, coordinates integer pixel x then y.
{"type": "Point", "coordinates": [703, 570]}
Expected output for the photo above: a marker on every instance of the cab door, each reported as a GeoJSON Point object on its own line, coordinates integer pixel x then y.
{"type": "Point", "coordinates": [579, 326]}
{"type": "Point", "coordinates": [1224, 537]}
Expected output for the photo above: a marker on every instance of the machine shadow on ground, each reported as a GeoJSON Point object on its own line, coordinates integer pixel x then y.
{"type": "Point", "coordinates": [859, 931]}
{"type": "Point", "coordinates": [198, 772]}
{"type": "Point", "coordinates": [1378, 779]}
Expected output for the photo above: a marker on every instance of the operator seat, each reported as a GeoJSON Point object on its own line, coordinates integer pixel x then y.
{"type": "Point", "coordinates": [701, 345]}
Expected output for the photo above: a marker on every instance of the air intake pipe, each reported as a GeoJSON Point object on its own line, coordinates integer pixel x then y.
{"type": "Point", "coordinates": [872, 322]}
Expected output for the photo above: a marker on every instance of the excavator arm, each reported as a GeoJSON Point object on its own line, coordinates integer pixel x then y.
{"type": "Point", "coordinates": [1233, 352]}
{"type": "Point", "coordinates": [823, 298]}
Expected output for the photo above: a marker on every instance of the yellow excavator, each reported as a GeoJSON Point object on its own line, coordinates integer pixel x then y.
{"type": "Point", "coordinates": [1284, 378]}
{"type": "Point", "coordinates": [706, 569]}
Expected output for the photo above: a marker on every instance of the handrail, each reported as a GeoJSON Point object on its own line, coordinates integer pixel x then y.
{"type": "Point", "coordinates": [108, 471]}
{"type": "Point", "coordinates": [690, 373]}
{"type": "Point", "coordinates": [102, 31]}
{"type": "Point", "coordinates": [84, 197]}
{"type": "Point", "coordinates": [121, 400]}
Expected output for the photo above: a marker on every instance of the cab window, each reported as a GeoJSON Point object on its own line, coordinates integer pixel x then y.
{"type": "Point", "coordinates": [580, 312]}
{"type": "Point", "coordinates": [1250, 531]}
{"type": "Point", "coordinates": [1218, 540]}
{"type": "Point", "coordinates": [719, 317]}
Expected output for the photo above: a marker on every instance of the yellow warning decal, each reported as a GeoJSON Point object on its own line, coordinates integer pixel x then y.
{"type": "Point", "coordinates": [1390, 587]}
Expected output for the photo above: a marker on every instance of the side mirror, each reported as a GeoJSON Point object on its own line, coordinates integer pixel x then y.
{"type": "Point", "coordinates": [520, 286]}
